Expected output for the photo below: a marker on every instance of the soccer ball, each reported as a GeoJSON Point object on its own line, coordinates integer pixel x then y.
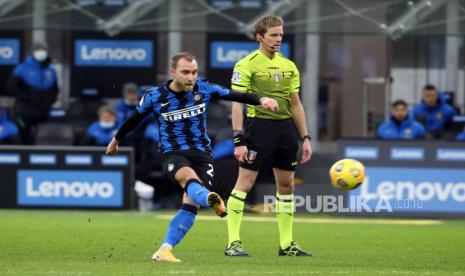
{"type": "Point", "coordinates": [347, 174]}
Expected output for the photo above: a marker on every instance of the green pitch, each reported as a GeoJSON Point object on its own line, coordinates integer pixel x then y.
{"type": "Point", "coordinates": [121, 243]}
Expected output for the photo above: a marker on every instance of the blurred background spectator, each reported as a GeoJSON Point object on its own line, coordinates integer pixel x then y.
{"type": "Point", "coordinates": [433, 112]}
{"type": "Point", "coordinates": [34, 84]}
{"type": "Point", "coordinates": [124, 109]}
{"type": "Point", "coordinates": [128, 102]}
{"type": "Point", "coordinates": [9, 134]}
{"type": "Point", "coordinates": [400, 124]}
{"type": "Point", "coordinates": [101, 132]}
{"type": "Point", "coordinates": [461, 136]}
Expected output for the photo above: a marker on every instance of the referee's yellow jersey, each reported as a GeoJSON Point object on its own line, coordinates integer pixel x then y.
{"type": "Point", "coordinates": [276, 78]}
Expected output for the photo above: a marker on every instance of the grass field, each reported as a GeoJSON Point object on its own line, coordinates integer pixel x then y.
{"type": "Point", "coordinates": [121, 243]}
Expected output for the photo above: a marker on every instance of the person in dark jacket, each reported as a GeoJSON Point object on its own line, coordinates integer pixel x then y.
{"type": "Point", "coordinates": [9, 134]}
{"type": "Point", "coordinates": [101, 132]}
{"type": "Point", "coordinates": [400, 125]}
{"type": "Point", "coordinates": [34, 83]}
{"type": "Point", "coordinates": [128, 103]}
{"type": "Point", "coordinates": [124, 109]}
{"type": "Point", "coordinates": [433, 112]}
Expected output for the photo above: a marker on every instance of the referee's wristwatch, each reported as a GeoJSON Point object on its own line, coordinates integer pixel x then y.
{"type": "Point", "coordinates": [307, 136]}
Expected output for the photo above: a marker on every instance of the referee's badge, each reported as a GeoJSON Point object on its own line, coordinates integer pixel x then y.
{"type": "Point", "coordinates": [236, 77]}
{"type": "Point", "coordinates": [277, 77]}
{"type": "Point", "coordinates": [251, 155]}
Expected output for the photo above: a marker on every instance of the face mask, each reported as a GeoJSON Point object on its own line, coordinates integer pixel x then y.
{"type": "Point", "coordinates": [40, 55]}
{"type": "Point", "coordinates": [104, 124]}
{"type": "Point", "coordinates": [129, 102]}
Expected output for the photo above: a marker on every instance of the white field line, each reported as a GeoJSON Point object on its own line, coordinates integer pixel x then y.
{"type": "Point", "coordinates": [326, 220]}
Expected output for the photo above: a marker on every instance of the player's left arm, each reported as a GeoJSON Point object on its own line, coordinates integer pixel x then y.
{"type": "Point", "coordinates": [298, 115]}
{"type": "Point", "coordinates": [144, 108]}
{"type": "Point", "coordinates": [244, 97]}
{"type": "Point", "coordinates": [252, 99]}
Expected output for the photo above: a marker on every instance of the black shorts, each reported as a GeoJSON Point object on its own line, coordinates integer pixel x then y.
{"type": "Point", "coordinates": [201, 162]}
{"type": "Point", "coordinates": [276, 140]}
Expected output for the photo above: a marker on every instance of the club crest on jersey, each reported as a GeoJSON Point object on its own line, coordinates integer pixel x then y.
{"type": "Point", "coordinates": [170, 167]}
{"type": "Point", "coordinates": [197, 97]}
{"type": "Point", "coordinates": [236, 77]}
{"type": "Point", "coordinates": [184, 113]}
{"type": "Point", "coordinates": [277, 77]}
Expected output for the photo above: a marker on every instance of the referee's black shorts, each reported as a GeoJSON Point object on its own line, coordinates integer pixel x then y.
{"type": "Point", "coordinates": [277, 140]}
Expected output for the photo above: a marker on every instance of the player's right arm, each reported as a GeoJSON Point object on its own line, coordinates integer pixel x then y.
{"type": "Point", "coordinates": [145, 107]}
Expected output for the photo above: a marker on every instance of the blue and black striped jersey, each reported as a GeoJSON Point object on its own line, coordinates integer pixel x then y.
{"type": "Point", "coordinates": [181, 116]}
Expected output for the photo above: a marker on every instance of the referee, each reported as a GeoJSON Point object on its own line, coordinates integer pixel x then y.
{"type": "Point", "coordinates": [274, 135]}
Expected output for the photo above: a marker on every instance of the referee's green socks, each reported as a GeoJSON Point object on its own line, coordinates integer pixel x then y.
{"type": "Point", "coordinates": [235, 211]}
{"type": "Point", "coordinates": [285, 215]}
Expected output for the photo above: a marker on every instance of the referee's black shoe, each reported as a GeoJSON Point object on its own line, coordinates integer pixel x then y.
{"type": "Point", "coordinates": [293, 250]}
{"type": "Point", "coordinates": [236, 250]}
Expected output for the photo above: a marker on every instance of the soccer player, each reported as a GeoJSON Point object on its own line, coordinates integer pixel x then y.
{"type": "Point", "coordinates": [267, 134]}
{"type": "Point", "coordinates": [180, 106]}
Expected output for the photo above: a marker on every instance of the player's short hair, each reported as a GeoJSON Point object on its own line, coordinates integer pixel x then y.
{"type": "Point", "coordinates": [106, 109]}
{"type": "Point", "coordinates": [185, 55]}
{"type": "Point", "coordinates": [399, 102]}
{"type": "Point", "coordinates": [266, 22]}
{"type": "Point", "coordinates": [429, 87]}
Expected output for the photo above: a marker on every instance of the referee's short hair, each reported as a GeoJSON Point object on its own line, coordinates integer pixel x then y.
{"type": "Point", "coordinates": [265, 22]}
{"type": "Point", "coordinates": [185, 55]}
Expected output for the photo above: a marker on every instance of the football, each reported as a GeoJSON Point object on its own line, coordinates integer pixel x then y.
{"type": "Point", "coordinates": [347, 174]}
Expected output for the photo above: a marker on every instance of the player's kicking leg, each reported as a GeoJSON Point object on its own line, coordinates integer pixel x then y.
{"type": "Point", "coordinates": [178, 170]}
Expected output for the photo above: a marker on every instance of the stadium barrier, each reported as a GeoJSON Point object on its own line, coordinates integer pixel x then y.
{"type": "Point", "coordinates": [66, 177]}
{"type": "Point", "coordinates": [415, 177]}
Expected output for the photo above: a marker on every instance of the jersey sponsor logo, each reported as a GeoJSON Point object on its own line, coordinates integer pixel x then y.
{"type": "Point", "coordinates": [184, 113]}
{"type": "Point", "coordinates": [113, 53]}
{"type": "Point", "coordinates": [224, 54]}
{"type": "Point", "coordinates": [164, 104]}
{"type": "Point", "coordinates": [9, 51]}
